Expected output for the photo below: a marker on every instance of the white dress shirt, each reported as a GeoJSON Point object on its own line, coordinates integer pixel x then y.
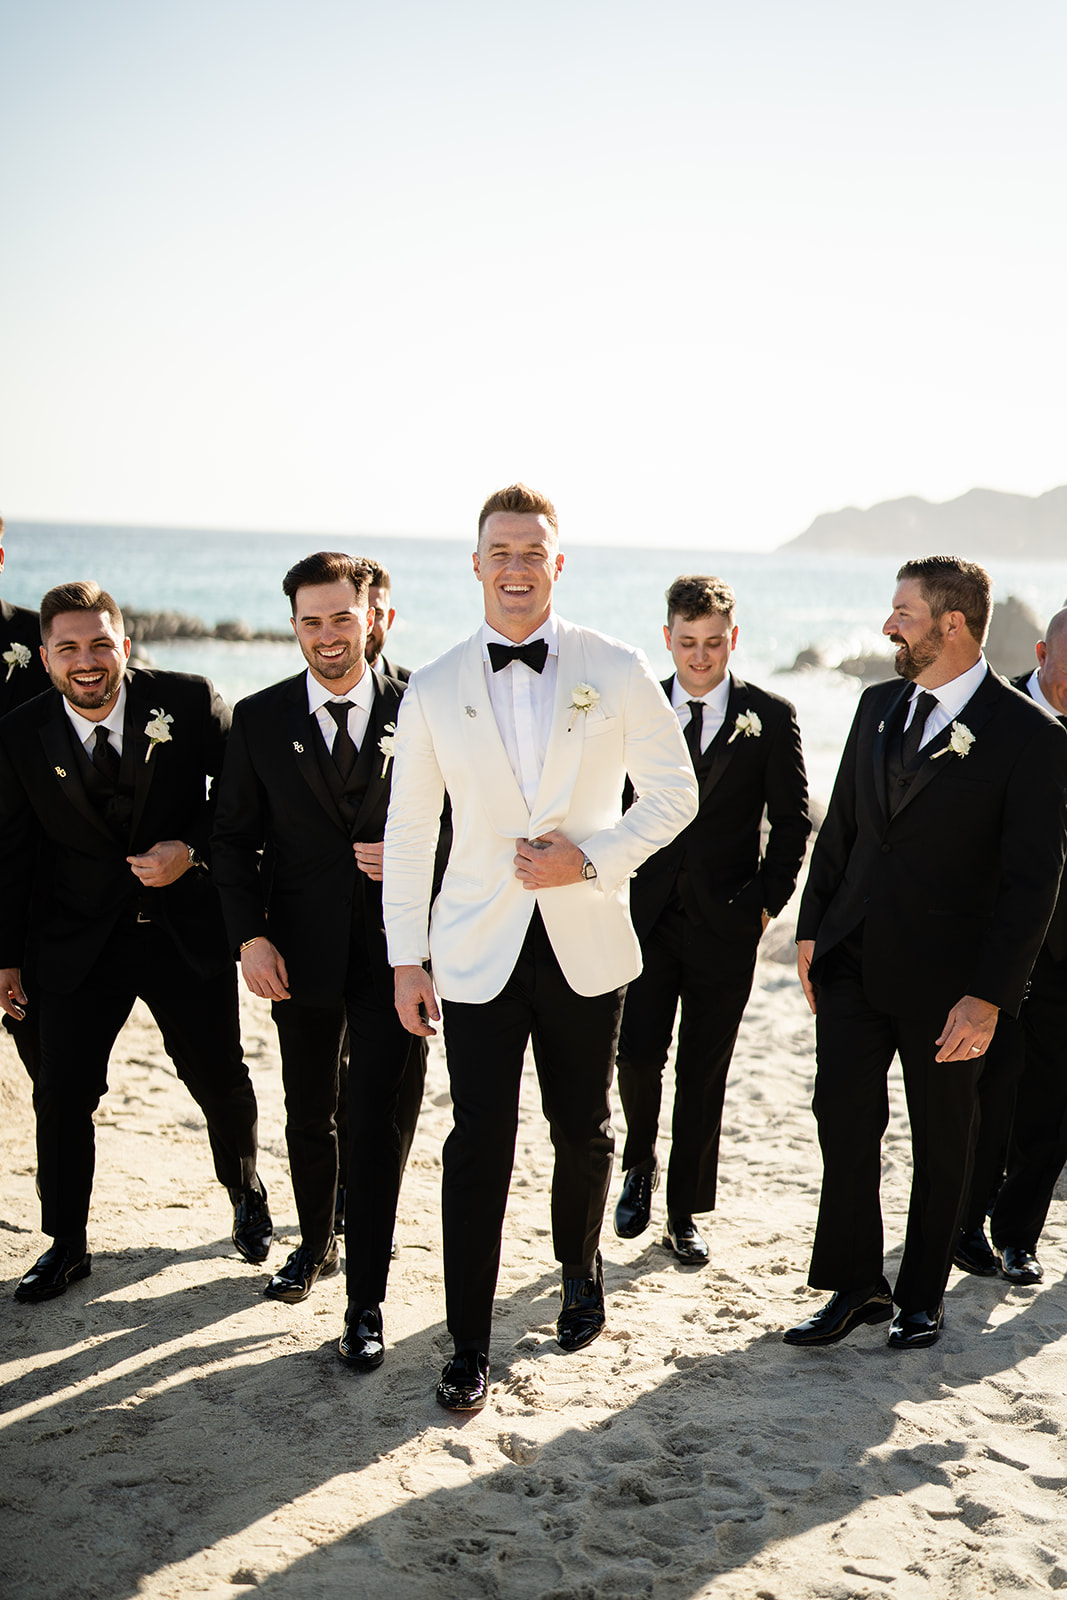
{"type": "Point", "coordinates": [85, 731]}
{"type": "Point", "coordinates": [522, 702]}
{"type": "Point", "coordinates": [951, 698]}
{"type": "Point", "coordinates": [714, 703]}
{"type": "Point", "coordinates": [360, 699]}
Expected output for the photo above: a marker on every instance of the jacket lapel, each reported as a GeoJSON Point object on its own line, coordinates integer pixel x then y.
{"type": "Point", "coordinates": [887, 726]}
{"type": "Point", "coordinates": [566, 738]}
{"type": "Point", "coordinates": [58, 742]}
{"type": "Point", "coordinates": [369, 762]}
{"type": "Point", "coordinates": [975, 715]}
{"type": "Point", "coordinates": [725, 745]}
{"type": "Point", "coordinates": [300, 730]}
{"type": "Point", "coordinates": [486, 757]}
{"type": "Point", "coordinates": [138, 766]}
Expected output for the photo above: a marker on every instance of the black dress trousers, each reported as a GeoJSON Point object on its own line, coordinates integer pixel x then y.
{"type": "Point", "coordinates": [198, 1019]}
{"type": "Point", "coordinates": [856, 1044]}
{"type": "Point", "coordinates": [574, 1039]}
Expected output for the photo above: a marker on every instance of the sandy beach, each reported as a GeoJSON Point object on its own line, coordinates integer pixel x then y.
{"type": "Point", "coordinates": [167, 1431]}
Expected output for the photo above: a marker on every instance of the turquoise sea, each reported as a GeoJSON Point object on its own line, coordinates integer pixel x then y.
{"type": "Point", "coordinates": [786, 602]}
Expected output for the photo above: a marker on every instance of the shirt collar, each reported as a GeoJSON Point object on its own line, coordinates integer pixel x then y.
{"type": "Point", "coordinates": [1033, 689]}
{"type": "Point", "coordinates": [715, 699]}
{"type": "Point", "coordinates": [954, 695]}
{"type": "Point", "coordinates": [361, 695]}
{"type": "Point", "coordinates": [548, 631]}
{"type": "Point", "coordinates": [85, 729]}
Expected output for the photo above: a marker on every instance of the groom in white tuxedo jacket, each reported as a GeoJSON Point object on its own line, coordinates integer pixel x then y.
{"type": "Point", "coordinates": [531, 727]}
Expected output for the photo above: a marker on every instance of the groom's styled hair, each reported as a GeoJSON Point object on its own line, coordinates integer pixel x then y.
{"type": "Point", "coordinates": [948, 583]}
{"type": "Point", "coordinates": [327, 566]}
{"type": "Point", "coordinates": [83, 595]}
{"type": "Point", "coordinates": [691, 596]}
{"type": "Point", "coordinates": [518, 498]}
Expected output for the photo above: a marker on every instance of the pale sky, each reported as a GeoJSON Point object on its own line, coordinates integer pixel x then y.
{"type": "Point", "coordinates": [698, 270]}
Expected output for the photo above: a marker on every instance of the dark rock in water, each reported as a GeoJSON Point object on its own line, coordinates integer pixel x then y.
{"type": "Point", "coordinates": [808, 660]}
{"type": "Point", "coordinates": [1013, 635]}
{"type": "Point", "coordinates": [166, 625]}
{"type": "Point", "coordinates": [873, 667]}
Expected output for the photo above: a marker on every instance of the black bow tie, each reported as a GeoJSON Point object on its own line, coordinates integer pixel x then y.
{"type": "Point", "coordinates": [535, 654]}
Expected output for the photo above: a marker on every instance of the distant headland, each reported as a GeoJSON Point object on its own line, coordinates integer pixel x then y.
{"type": "Point", "coordinates": [980, 523]}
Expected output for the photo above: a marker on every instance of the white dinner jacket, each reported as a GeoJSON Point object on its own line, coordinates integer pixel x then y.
{"type": "Point", "coordinates": [447, 739]}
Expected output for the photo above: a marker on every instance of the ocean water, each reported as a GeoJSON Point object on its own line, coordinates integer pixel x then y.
{"type": "Point", "coordinates": [787, 601]}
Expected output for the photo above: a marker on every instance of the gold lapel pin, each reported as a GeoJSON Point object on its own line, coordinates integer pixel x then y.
{"type": "Point", "coordinates": [61, 772]}
{"type": "Point", "coordinates": [881, 727]}
{"type": "Point", "coordinates": [298, 747]}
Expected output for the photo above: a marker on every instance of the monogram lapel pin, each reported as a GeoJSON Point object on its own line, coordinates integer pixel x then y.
{"type": "Point", "coordinates": [881, 727]}
{"type": "Point", "coordinates": [298, 747]}
{"type": "Point", "coordinates": [61, 772]}
{"type": "Point", "coordinates": [470, 711]}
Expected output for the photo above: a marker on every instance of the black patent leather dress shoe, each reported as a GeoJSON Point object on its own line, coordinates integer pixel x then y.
{"type": "Point", "coordinates": [51, 1273]}
{"type": "Point", "coordinates": [581, 1310]}
{"type": "Point", "coordinates": [845, 1310]}
{"type": "Point", "coordinates": [914, 1330]}
{"type": "Point", "coordinates": [464, 1384]}
{"type": "Point", "coordinates": [362, 1345]}
{"type": "Point", "coordinates": [252, 1228]}
{"type": "Point", "coordinates": [973, 1254]}
{"type": "Point", "coordinates": [298, 1277]}
{"type": "Point", "coordinates": [634, 1210]}
{"type": "Point", "coordinates": [1020, 1265]}
{"type": "Point", "coordinates": [682, 1237]}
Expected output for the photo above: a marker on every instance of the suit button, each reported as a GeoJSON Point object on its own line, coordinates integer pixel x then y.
{"type": "Point", "coordinates": [866, 899]}
{"type": "Point", "coordinates": [886, 849]}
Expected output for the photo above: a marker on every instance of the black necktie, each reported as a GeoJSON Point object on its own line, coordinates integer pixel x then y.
{"type": "Point", "coordinates": [913, 734]}
{"type": "Point", "coordinates": [344, 751]}
{"type": "Point", "coordinates": [105, 758]}
{"type": "Point", "coordinates": [535, 654]}
{"type": "Point", "coordinates": [694, 728]}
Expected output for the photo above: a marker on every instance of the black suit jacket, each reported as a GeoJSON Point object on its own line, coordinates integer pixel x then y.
{"type": "Point", "coordinates": [389, 669]}
{"type": "Point", "coordinates": [1056, 937]}
{"type": "Point", "coordinates": [956, 889]}
{"type": "Point", "coordinates": [719, 851]}
{"type": "Point", "coordinates": [85, 884]}
{"type": "Point", "coordinates": [305, 893]}
{"type": "Point", "coordinates": [19, 684]}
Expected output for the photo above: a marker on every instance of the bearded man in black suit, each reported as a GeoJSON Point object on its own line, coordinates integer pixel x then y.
{"type": "Point", "coordinates": [103, 782]}
{"type": "Point", "coordinates": [306, 781]}
{"type": "Point", "coordinates": [1025, 1093]}
{"type": "Point", "coordinates": [700, 906]}
{"type": "Point", "coordinates": [931, 885]}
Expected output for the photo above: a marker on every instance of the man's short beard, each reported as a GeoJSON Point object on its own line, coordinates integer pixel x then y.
{"type": "Point", "coordinates": [917, 657]}
{"type": "Point", "coordinates": [371, 651]}
{"type": "Point", "coordinates": [87, 699]}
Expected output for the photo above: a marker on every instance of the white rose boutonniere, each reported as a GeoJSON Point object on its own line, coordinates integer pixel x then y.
{"type": "Point", "coordinates": [158, 731]}
{"type": "Point", "coordinates": [17, 656]}
{"type": "Point", "coordinates": [583, 698]}
{"type": "Point", "coordinates": [747, 724]}
{"type": "Point", "coordinates": [959, 744]}
{"type": "Point", "coordinates": [387, 745]}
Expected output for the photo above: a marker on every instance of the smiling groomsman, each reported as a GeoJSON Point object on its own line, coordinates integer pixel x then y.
{"type": "Point", "coordinates": [104, 781]}
{"type": "Point", "coordinates": [306, 781]}
{"type": "Point", "coordinates": [700, 906]}
{"type": "Point", "coordinates": [931, 885]}
{"type": "Point", "coordinates": [530, 727]}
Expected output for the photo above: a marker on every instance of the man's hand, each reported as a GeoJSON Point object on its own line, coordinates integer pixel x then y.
{"type": "Point", "coordinates": [12, 995]}
{"type": "Point", "coordinates": [805, 951]}
{"type": "Point", "coordinates": [969, 1030]}
{"type": "Point", "coordinates": [264, 971]}
{"type": "Point", "coordinates": [548, 862]}
{"type": "Point", "coordinates": [369, 859]}
{"type": "Point", "coordinates": [163, 864]}
{"type": "Point", "coordinates": [414, 997]}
